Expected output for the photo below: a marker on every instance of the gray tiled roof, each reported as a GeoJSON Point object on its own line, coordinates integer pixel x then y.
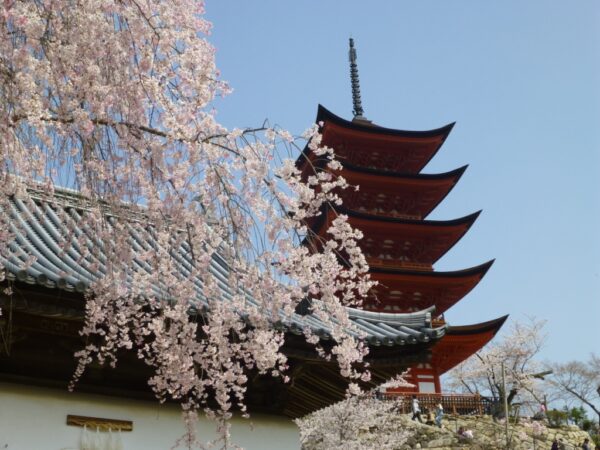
{"type": "Point", "coordinates": [41, 226]}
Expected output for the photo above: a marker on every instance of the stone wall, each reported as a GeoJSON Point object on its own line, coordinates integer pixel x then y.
{"type": "Point", "coordinates": [525, 435]}
{"type": "Point", "coordinates": [487, 435]}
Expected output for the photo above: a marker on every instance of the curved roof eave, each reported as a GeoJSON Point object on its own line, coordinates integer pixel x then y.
{"type": "Point", "coordinates": [386, 317]}
{"type": "Point", "coordinates": [461, 342]}
{"type": "Point", "coordinates": [477, 270]}
{"type": "Point", "coordinates": [493, 325]}
{"type": "Point", "coordinates": [468, 219]}
{"type": "Point", "coordinates": [452, 174]}
{"type": "Point", "coordinates": [323, 114]}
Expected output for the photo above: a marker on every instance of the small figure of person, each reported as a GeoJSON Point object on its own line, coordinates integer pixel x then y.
{"type": "Point", "coordinates": [439, 415]}
{"type": "Point", "coordinates": [429, 417]}
{"type": "Point", "coordinates": [586, 444]}
{"type": "Point", "coordinates": [541, 413]}
{"type": "Point", "coordinates": [416, 409]}
{"type": "Point", "coordinates": [554, 444]}
{"type": "Point", "coordinates": [464, 434]}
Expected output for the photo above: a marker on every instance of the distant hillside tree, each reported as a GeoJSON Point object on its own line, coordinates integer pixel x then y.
{"type": "Point", "coordinates": [518, 350]}
{"type": "Point", "coordinates": [579, 381]}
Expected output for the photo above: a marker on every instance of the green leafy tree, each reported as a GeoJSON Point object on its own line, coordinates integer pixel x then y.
{"type": "Point", "coordinates": [577, 415]}
{"type": "Point", "coordinates": [557, 418]}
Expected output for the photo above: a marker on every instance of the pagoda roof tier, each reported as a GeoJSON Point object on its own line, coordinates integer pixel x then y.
{"type": "Point", "coordinates": [407, 196]}
{"type": "Point", "coordinates": [405, 291]}
{"type": "Point", "coordinates": [400, 243]}
{"type": "Point", "coordinates": [460, 342]}
{"type": "Point", "coordinates": [410, 196]}
{"type": "Point", "coordinates": [370, 146]}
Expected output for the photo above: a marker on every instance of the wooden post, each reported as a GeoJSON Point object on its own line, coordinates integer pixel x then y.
{"type": "Point", "coordinates": [505, 406]}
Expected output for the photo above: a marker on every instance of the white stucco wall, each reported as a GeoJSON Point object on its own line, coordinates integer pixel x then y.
{"type": "Point", "coordinates": [33, 418]}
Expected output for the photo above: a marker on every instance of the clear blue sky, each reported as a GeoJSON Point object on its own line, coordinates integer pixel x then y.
{"type": "Point", "coordinates": [520, 78]}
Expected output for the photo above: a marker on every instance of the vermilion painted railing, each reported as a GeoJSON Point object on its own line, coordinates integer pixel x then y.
{"type": "Point", "coordinates": [462, 404]}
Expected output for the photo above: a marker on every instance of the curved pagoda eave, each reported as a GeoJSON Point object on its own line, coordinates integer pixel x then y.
{"type": "Point", "coordinates": [325, 115]}
{"type": "Point", "coordinates": [408, 196]}
{"type": "Point", "coordinates": [401, 290]}
{"type": "Point", "coordinates": [369, 145]}
{"type": "Point", "coordinates": [461, 342]}
{"type": "Point", "coordinates": [396, 242]}
{"type": "Point", "coordinates": [400, 195]}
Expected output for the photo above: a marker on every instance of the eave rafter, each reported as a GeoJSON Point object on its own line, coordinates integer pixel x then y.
{"type": "Point", "coordinates": [461, 342]}
{"type": "Point", "coordinates": [396, 242]}
{"type": "Point", "coordinates": [397, 195]}
{"type": "Point", "coordinates": [405, 290]}
{"type": "Point", "coordinates": [371, 146]}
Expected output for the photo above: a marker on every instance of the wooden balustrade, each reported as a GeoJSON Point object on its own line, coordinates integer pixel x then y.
{"type": "Point", "coordinates": [396, 263]}
{"type": "Point", "coordinates": [461, 404]}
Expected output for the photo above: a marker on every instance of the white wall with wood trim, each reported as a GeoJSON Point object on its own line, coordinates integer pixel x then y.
{"type": "Point", "coordinates": [34, 418]}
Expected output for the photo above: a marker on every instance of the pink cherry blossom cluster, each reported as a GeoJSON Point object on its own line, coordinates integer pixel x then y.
{"type": "Point", "coordinates": [519, 352]}
{"type": "Point", "coordinates": [535, 428]}
{"type": "Point", "coordinates": [356, 423]}
{"type": "Point", "coordinates": [113, 98]}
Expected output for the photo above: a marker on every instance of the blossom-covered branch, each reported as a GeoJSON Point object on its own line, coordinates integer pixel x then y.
{"type": "Point", "coordinates": [113, 98]}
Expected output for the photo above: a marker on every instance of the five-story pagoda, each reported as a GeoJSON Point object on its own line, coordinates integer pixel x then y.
{"type": "Point", "coordinates": [401, 245]}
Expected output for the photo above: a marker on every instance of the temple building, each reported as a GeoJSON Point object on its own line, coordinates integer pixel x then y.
{"type": "Point", "coordinates": [400, 244]}
{"type": "Point", "coordinates": [44, 311]}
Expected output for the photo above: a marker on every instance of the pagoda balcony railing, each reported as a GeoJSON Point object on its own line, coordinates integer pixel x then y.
{"type": "Point", "coordinates": [394, 263]}
{"type": "Point", "coordinates": [380, 212]}
{"type": "Point", "coordinates": [460, 404]}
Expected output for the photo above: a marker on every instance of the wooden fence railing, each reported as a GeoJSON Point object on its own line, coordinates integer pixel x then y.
{"type": "Point", "coordinates": [462, 404]}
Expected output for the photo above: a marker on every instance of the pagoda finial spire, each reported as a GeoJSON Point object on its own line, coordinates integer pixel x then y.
{"type": "Point", "coordinates": [356, 102]}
